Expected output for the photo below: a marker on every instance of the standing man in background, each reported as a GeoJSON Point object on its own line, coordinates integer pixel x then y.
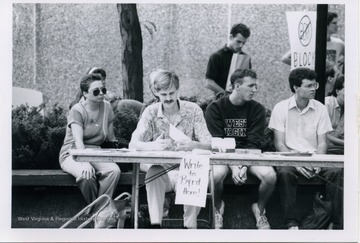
{"type": "Point", "coordinates": [226, 60]}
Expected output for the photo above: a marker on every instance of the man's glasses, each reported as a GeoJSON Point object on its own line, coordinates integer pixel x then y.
{"type": "Point", "coordinates": [313, 85]}
{"type": "Point", "coordinates": [96, 91]}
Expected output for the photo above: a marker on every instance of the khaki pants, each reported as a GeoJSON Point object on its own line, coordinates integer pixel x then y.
{"type": "Point", "coordinates": [156, 190]}
{"type": "Point", "coordinates": [107, 177]}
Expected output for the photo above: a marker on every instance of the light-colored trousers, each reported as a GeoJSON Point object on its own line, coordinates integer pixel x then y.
{"type": "Point", "coordinates": [156, 190]}
{"type": "Point", "coordinates": [107, 178]}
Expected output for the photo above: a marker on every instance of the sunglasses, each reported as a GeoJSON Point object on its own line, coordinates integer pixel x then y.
{"type": "Point", "coordinates": [96, 91]}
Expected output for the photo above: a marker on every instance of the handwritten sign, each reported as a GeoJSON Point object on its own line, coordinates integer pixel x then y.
{"type": "Point", "coordinates": [302, 33]}
{"type": "Point", "coordinates": [191, 188]}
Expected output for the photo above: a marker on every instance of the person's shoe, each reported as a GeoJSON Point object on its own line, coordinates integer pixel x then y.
{"type": "Point", "coordinates": [261, 220]}
{"type": "Point", "coordinates": [219, 216]}
{"type": "Point", "coordinates": [293, 228]}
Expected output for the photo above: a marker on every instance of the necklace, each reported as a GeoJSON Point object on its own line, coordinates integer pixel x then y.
{"type": "Point", "coordinates": [93, 112]}
{"type": "Point", "coordinates": [93, 117]}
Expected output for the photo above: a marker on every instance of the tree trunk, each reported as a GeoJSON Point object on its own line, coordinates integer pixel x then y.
{"type": "Point", "coordinates": [132, 64]}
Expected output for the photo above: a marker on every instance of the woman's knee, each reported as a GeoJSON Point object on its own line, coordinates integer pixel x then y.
{"type": "Point", "coordinates": [86, 183]}
{"type": "Point", "coordinates": [71, 167]}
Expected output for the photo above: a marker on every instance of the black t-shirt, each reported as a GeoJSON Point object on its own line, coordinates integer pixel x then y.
{"type": "Point", "coordinates": [219, 65]}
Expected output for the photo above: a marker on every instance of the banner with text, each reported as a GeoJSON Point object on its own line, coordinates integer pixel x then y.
{"type": "Point", "coordinates": [191, 188]}
{"type": "Point", "coordinates": [302, 35]}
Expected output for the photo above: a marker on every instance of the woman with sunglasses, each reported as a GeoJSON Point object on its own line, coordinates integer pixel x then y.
{"type": "Point", "coordinates": [90, 123]}
{"type": "Point", "coordinates": [96, 70]}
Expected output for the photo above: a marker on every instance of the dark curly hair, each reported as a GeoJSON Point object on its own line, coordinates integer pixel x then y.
{"type": "Point", "coordinates": [240, 28]}
{"type": "Point", "coordinates": [298, 75]}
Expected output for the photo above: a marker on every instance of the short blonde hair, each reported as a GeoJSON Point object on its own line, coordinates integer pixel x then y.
{"type": "Point", "coordinates": [163, 80]}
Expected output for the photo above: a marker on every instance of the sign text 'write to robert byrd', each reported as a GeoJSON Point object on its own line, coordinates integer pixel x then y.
{"type": "Point", "coordinates": [193, 180]}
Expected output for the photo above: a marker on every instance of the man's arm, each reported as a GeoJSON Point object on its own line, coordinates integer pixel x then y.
{"type": "Point", "coordinates": [214, 121]}
{"type": "Point", "coordinates": [212, 85]}
{"type": "Point", "coordinates": [321, 149]}
{"type": "Point", "coordinates": [158, 144]}
{"type": "Point", "coordinates": [335, 140]}
{"type": "Point", "coordinates": [280, 146]}
{"type": "Point", "coordinates": [142, 137]}
{"type": "Point", "coordinates": [202, 135]}
{"type": "Point", "coordinates": [256, 129]}
{"type": "Point", "coordinates": [322, 145]}
{"type": "Point", "coordinates": [279, 141]}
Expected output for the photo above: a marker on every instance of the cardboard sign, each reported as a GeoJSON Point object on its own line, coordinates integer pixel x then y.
{"type": "Point", "coordinates": [302, 35]}
{"type": "Point", "coordinates": [191, 188]}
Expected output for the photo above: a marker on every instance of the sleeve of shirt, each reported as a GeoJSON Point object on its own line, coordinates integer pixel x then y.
{"type": "Point", "coordinates": [324, 125]}
{"type": "Point", "coordinates": [214, 121]}
{"type": "Point", "coordinates": [212, 71]}
{"type": "Point", "coordinates": [256, 128]}
{"type": "Point", "coordinates": [143, 131]}
{"type": "Point", "coordinates": [75, 117]}
{"type": "Point", "coordinates": [277, 119]}
{"type": "Point", "coordinates": [202, 133]}
{"type": "Point", "coordinates": [110, 112]}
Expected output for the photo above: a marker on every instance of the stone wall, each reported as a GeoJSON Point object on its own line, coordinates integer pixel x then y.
{"type": "Point", "coordinates": [72, 37]}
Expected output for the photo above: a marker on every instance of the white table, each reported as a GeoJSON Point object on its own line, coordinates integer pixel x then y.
{"type": "Point", "coordinates": [172, 157]}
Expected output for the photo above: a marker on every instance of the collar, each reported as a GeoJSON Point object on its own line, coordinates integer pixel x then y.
{"type": "Point", "coordinates": [292, 104]}
{"type": "Point", "coordinates": [160, 113]}
{"type": "Point", "coordinates": [227, 49]}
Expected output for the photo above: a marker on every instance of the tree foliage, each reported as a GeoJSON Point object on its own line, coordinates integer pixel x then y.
{"type": "Point", "coordinates": [37, 139]}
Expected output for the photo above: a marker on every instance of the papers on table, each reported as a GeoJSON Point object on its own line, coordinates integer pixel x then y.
{"type": "Point", "coordinates": [177, 135]}
{"type": "Point", "coordinates": [291, 153]}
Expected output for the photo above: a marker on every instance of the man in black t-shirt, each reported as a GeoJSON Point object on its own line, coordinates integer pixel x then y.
{"type": "Point", "coordinates": [239, 116]}
{"type": "Point", "coordinates": [225, 61]}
